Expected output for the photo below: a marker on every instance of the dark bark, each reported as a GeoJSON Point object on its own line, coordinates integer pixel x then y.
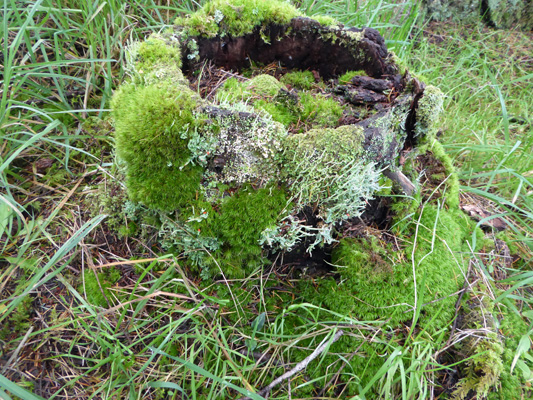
{"type": "Point", "coordinates": [303, 44]}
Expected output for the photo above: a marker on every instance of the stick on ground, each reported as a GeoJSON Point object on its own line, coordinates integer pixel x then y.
{"type": "Point", "coordinates": [300, 366]}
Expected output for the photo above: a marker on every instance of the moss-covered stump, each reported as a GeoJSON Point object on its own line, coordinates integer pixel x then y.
{"type": "Point", "coordinates": [252, 135]}
{"type": "Point", "coordinates": [503, 14]}
{"type": "Point", "coordinates": [252, 95]}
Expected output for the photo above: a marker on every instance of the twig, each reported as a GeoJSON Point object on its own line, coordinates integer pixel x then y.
{"type": "Point", "coordinates": [402, 180]}
{"type": "Point", "coordinates": [15, 354]}
{"type": "Point", "coordinates": [300, 366]}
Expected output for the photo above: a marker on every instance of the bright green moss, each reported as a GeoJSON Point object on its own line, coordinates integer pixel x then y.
{"type": "Point", "coordinates": [238, 225]}
{"type": "Point", "coordinates": [320, 111]}
{"type": "Point", "coordinates": [152, 126]}
{"type": "Point", "coordinates": [236, 18]}
{"type": "Point", "coordinates": [96, 286]}
{"type": "Point", "coordinates": [452, 183]}
{"type": "Point", "coordinates": [325, 20]}
{"type": "Point", "coordinates": [347, 77]}
{"type": "Point", "coordinates": [159, 50]}
{"type": "Point", "coordinates": [428, 111]}
{"type": "Point", "coordinates": [264, 85]}
{"type": "Point", "coordinates": [377, 283]}
{"type": "Point", "coordinates": [266, 93]}
{"type": "Point", "coordinates": [299, 79]}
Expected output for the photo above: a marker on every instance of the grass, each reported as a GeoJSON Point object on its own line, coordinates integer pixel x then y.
{"type": "Point", "coordinates": [165, 333]}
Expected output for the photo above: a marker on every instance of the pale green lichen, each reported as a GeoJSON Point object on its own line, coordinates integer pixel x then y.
{"type": "Point", "coordinates": [323, 167]}
{"type": "Point", "coordinates": [249, 144]}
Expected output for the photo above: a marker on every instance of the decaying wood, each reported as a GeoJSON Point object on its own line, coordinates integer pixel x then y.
{"type": "Point", "coordinates": [298, 45]}
{"type": "Point", "coordinates": [304, 44]}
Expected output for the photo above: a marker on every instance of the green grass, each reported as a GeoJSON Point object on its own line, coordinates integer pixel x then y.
{"type": "Point", "coordinates": [166, 332]}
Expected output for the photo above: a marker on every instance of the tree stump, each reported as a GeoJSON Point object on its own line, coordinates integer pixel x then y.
{"type": "Point", "coordinates": [253, 131]}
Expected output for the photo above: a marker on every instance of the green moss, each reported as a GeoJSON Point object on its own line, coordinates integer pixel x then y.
{"type": "Point", "coordinates": [325, 20]}
{"type": "Point", "coordinates": [236, 18]}
{"type": "Point", "coordinates": [347, 77]}
{"type": "Point", "coordinates": [320, 111]}
{"type": "Point", "coordinates": [152, 127]}
{"type": "Point", "coordinates": [377, 283]}
{"type": "Point", "coordinates": [299, 79]}
{"type": "Point", "coordinates": [266, 93]}
{"type": "Point", "coordinates": [157, 50]}
{"type": "Point", "coordinates": [264, 85]}
{"type": "Point", "coordinates": [238, 225]}
{"type": "Point", "coordinates": [96, 285]}
{"type": "Point", "coordinates": [428, 112]}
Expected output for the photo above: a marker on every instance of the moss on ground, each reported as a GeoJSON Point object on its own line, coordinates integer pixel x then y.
{"type": "Point", "coordinates": [347, 77]}
{"type": "Point", "coordinates": [96, 284]}
{"type": "Point", "coordinates": [268, 94]}
{"type": "Point", "coordinates": [303, 80]}
{"type": "Point", "coordinates": [238, 225]}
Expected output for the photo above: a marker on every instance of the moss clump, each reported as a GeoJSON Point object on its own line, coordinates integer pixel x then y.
{"type": "Point", "coordinates": [157, 50]}
{"type": "Point", "coordinates": [236, 18]}
{"type": "Point", "coordinates": [153, 124]}
{"type": "Point", "coordinates": [268, 94]}
{"type": "Point", "coordinates": [428, 112]}
{"type": "Point", "coordinates": [238, 225]}
{"type": "Point", "coordinates": [347, 77]}
{"type": "Point", "coordinates": [265, 85]}
{"type": "Point", "coordinates": [299, 79]}
{"type": "Point", "coordinates": [390, 294]}
{"type": "Point", "coordinates": [96, 286]}
{"type": "Point", "coordinates": [320, 111]}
